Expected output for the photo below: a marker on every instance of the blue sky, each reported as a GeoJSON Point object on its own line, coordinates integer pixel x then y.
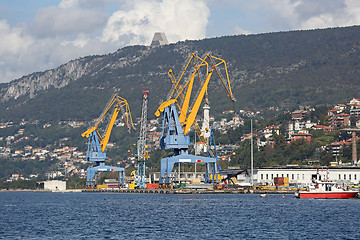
{"type": "Point", "coordinates": [36, 35]}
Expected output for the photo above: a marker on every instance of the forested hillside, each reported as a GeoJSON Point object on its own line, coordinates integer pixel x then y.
{"type": "Point", "coordinates": [283, 69]}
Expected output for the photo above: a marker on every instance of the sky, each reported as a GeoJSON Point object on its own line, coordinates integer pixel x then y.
{"type": "Point", "coordinates": [37, 35]}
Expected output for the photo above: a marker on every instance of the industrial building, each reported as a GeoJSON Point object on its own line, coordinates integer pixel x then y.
{"type": "Point", "coordinates": [298, 175]}
{"type": "Point", "coordinates": [302, 175]}
{"type": "Point", "coordinates": [53, 186]}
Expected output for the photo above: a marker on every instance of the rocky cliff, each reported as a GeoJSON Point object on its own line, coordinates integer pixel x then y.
{"type": "Point", "coordinates": [282, 70]}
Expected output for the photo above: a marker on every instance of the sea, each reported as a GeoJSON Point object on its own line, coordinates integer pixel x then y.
{"type": "Point", "coordinates": [44, 215]}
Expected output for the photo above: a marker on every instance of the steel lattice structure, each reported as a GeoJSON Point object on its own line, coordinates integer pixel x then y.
{"type": "Point", "coordinates": [142, 153]}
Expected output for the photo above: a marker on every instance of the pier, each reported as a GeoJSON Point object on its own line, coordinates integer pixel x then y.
{"type": "Point", "coordinates": [187, 191]}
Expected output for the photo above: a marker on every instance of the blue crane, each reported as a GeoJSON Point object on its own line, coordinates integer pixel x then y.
{"type": "Point", "coordinates": [97, 142]}
{"type": "Point", "coordinates": [175, 126]}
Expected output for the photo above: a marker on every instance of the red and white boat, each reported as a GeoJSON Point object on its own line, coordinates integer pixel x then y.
{"type": "Point", "coordinates": [326, 189]}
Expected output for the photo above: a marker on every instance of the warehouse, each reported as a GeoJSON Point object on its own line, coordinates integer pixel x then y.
{"type": "Point", "coordinates": [53, 185]}
{"type": "Point", "coordinates": [302, 175]}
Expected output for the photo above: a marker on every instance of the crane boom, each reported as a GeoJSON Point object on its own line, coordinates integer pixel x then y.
{"type": "Point", "coordinates": [195, 108]}
{"type": "Point", "coordinates": [182, 89]}
{"type": "Point", "coordinates": [120, 105]}
{"type": "Point", "coordinates": [97, 142]}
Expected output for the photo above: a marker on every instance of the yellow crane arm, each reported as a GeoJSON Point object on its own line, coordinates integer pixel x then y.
{"type": "Point", "coordinates": [106, 138]}
{"type": "Point", "coordinates": [163, 106]}
{"type": "Point", "coordinates": [120, 104]}
{"type": "Point", "coordinates": [87, 132]}
{"type": "Point", "coordinates": [226, 86]}
{"type": "Point", "coordinates": [186, 101]}
{"type": "Point", "coordinates": [176, 83]}
{"type": "Point", "coordinates": [182, 89]}
{"type": "Point", "coordinates": [191, 118]}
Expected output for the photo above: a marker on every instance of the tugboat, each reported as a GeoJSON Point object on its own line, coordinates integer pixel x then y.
{"type": "Point", "coordinates": [325, 189]}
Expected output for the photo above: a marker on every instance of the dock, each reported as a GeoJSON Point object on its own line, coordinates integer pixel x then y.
{"type": "Point", "coordinates": [186, 191]}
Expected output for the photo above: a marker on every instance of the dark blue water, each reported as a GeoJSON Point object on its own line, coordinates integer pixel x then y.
{"type": "Point", "coordinates": [31, 215]}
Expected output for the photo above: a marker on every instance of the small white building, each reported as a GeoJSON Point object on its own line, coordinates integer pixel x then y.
{"type": "Point", "coordinates": [53, 185]}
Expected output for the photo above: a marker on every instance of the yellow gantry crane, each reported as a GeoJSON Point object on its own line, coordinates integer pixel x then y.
{"type": "Point", "coordinates": [120, 105]}
{"type": "Point", "coordinates": [179, 113]}
{"type": "Point", "coordinates": [97, 142]}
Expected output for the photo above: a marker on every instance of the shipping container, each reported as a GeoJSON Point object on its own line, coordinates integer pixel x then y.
{"type": "Point", "coordinates": [281, 181]}
{"type": "Point", "coordinates": [152, 186]}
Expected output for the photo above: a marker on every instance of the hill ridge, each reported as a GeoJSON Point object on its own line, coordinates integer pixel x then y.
{"type": "Point", "coordinates": [282, 69]}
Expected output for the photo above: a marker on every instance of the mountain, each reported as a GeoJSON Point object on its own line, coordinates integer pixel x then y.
{"type": "Point", "coordinates": [283, 69]}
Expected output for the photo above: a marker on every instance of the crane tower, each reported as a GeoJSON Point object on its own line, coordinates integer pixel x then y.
{"type": "Point", "coordinates": [142, 153]}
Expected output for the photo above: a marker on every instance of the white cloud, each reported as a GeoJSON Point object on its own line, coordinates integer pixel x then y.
{"type": "Point", "coordinates": [57, 21]}
{"type": "Point", "coordinates": [77, 28]}
{"type": "Point", "coordinates": [13, 40]}
{"type": "Point", "coordinates": [179, 19]}
{"type": "Point", "coordinates": [310, 14]}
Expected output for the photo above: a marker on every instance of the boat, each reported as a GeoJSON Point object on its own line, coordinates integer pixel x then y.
{"type": "Point", "coordinates": [263, 195]}
{"type": "Point", "coordinates": [323, 188]}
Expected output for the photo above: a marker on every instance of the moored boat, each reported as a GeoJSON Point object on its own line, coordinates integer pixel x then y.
{"type": "Point", "coordinates": [326, 189]}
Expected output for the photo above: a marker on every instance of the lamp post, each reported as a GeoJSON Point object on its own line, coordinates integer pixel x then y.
{"type": "Point", "coordinates": [252, 155]}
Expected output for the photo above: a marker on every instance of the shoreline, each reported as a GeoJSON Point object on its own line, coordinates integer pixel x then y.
{"type": "Point", "coordinates": [36, 190]}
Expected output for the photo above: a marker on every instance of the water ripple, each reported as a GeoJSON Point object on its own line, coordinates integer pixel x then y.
{"type": "Point", "coordinates": [30, 215]}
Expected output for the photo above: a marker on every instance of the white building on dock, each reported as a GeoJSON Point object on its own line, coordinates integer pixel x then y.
{"type": "Point", "coordinates": [298, 175]}
{"type": "Point", "coordinates": [52, 185]}
{"type": "Point", "coordinates": [302, 175]}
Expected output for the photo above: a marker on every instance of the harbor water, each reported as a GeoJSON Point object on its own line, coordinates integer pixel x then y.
{"type": "Point", "coordinates": [41, 215]}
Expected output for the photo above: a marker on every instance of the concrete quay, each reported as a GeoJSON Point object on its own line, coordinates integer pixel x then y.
{"type": "Point", "coordinates": [185, 191]}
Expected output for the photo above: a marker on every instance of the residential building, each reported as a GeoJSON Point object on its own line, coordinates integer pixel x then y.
{"type": "Point", "coordinates": [268, 131]}
{"type": "Point", "coordinates": [322, 127]}
{"type": "Point", "coordinates": [336, 147]}
{"type": "Point", "coordinates": [299, 114]}
{"type": "Point", "coordinates": [333, 112]}
{"type": "Point", "coordinates": [340, 120]}
{"type": "Point", "coordinates": [354, 101]}
{"type": "Point", "coordinates": [355, 110]}
{"type": "Point", "coordinates": [300, 125]}
{"type": "Point", "coordinates": [340, 107]}
{"type": "Point", "coordinates": [300, 135]}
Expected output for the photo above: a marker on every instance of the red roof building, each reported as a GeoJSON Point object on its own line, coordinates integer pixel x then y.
{"type": "Point", "coordinates": [322, 127]}
{"type": "Point", "coordinates": [297, 136]}
{"type": "Point", "coordinates": [340, 120]}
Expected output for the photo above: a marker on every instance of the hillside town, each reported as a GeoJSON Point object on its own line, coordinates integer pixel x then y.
{"type": "Point", "coordinates": [71, 160]}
